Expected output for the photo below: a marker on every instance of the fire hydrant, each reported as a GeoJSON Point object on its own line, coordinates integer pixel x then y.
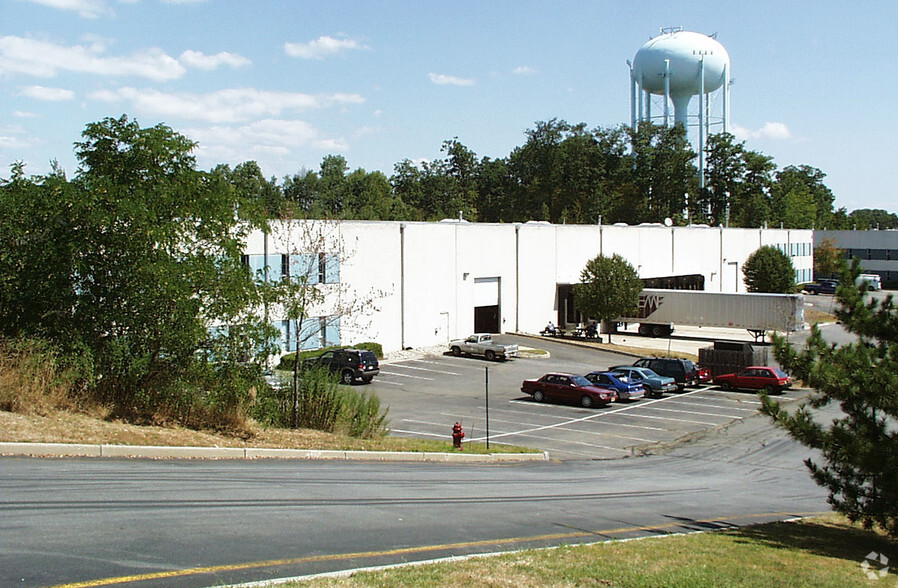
{"type": "Point", "coordinates": [457, 435]}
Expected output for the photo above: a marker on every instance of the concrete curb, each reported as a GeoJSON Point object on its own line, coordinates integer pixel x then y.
{"type": "Point", "coordinates": [575, 343]}
{"type": "Point", "coordinates": [159, 452]}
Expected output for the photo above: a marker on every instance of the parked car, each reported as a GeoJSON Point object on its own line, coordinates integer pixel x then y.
{"type": "Point", "coordinates": [618, 381]}
{"type": "Point", "coordinates": [822, 287]}
{"type": "Point", "coordinates": [757, 377]}
{"type": "Point", "coordinates": [684, 371]}
{"type": "Point", "coordinates": [655, 385]}
{"type": "Point", "coordinates": [568, 387]}
{"type": "Point", "coordinates": [483, 344]}
{"type": "Point", "coordinates": [351, 364]}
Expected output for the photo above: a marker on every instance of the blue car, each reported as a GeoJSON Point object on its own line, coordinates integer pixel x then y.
{"type": "Point", "coordinates": [655, 385]}
{"type": "Point", "coordinates": [617, 381]}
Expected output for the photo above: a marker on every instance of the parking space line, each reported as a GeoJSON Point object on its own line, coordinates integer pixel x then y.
{"type": "Point", "coordinates": [706, 405]}
{"type": "Point", "coordinates": [734, 393]}
{"type": "Point", "coordinates": [405, 375]}
{"type": "Point", "coordinates": [713, 414]}
{"type": "Point", "coordinates": [580, 431]}
{"type": "Point", "coordinates": [530, 402]}
{"type": "Point", "coordinates": [423, 369]}
{"type": "Point", "coordinates": [658, 418]}
{"type": "Point", "coordinates": [604, 414]}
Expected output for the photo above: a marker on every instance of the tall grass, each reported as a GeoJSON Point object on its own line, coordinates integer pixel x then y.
{"type": "Point", "coordinates": [325, 405]}
{"type": "Point", "coordinates": [33, 380]}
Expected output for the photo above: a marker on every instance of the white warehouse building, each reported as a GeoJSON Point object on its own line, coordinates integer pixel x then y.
{"type": "Point", "coordinates": [431, 282]}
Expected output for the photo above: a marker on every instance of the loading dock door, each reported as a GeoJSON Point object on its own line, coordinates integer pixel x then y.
{"type": "Point", "coordinates": [486, 305]}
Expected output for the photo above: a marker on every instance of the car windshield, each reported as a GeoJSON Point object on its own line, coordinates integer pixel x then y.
{"type": "Point", "coordinates": [779, 373]}
{"type": "Point", "coordinates": [580, 381]}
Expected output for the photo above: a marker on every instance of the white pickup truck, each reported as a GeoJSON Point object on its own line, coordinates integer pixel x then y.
{"type": "Point", "coordinates": [483, 344]}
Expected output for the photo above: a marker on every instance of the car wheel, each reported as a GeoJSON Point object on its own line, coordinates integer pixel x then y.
{"type": "Point", "coordinates": [768, 389]}
{"type": "Point", "coordinates": [490, 355]}
{"type": "Point", "coordinates": [726, 386]}
{"type": "Point", "coordinates": [650, 393]}
{"type": "Point", "coordinates": [538, 396]}
{"type": "Point", "coordinates": [586, 401]}
{"type": "Point", "coordinates": [456, 350]}
{"type": "Point", "coordinates": [367, 379]}
{"type": "Point", "coordinates": [346, 377]}
{"type": "Point", "coordinates": [657, 331]}
{"type": "Point", "coordinates": [643, 330]}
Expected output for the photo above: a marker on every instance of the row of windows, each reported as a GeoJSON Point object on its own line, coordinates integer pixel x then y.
{"type": "Point", "coordinates": [317, 268]}
{"type": "Point", "coordinates": [314, 333]}
{"type": "Point", "coordinates": [796, 249]}
{"type": "Point", "coordinates": [872, 254]}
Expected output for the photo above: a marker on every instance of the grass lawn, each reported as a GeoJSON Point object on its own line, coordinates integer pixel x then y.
{"type": "Point", "coordinates": [825, 551]}
{"type": "Point", "coordinates": [74, 427]}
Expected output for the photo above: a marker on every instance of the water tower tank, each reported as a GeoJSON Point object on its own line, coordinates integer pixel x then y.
{"type": "Point", "coordinates": [676, 64]}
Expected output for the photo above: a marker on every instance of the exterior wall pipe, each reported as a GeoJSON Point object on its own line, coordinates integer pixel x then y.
{"type": "Point", "coordinates": [517, 277]}
{"type": "Point", "coordinates": [402, 286]}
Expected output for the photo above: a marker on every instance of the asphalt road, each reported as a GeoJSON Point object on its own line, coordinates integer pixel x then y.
{"type": "Point", "coordinates": [200, 523]}
{"type": "Point", "coordinates": [426, 396]}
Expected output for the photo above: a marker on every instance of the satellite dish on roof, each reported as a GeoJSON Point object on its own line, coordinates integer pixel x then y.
{"type": "Point", "coordinates": [668, 222]}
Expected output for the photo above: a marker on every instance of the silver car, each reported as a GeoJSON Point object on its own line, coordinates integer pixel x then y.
{"type": "Point", "coordinates": [655, 385]}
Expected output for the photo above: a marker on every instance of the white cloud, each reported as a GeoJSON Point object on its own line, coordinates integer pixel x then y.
{"type": "Point", "coordinates": [524, 70]}
{"type": "Point", "coordinates": [223, 106]}
{"type": "Point", "coordinates": [770, 130]}
{"type": "Point", "coordinates": [16, 138]}
{"type": "Point", "coordinates": [442, 79]}
{"type": "Point", "coordinates": [47, 94]}
{"type": "Point", "coordinates": [259, 140]}
{"type": "Point", "coordinates": [199, 60]}
{"type": "Point", "coordinates": [321, 47]}
{"type": "Point", "coordinates": [43, 59]}
{"type": "Point", "coordinates": [84, 8]}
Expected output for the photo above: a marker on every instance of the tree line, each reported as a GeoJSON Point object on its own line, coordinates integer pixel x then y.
{"type": "Point", "coordinates": [567, 173]}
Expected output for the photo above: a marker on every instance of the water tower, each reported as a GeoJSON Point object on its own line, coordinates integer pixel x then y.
{"type": "Point", "coordinates": [674, 67]}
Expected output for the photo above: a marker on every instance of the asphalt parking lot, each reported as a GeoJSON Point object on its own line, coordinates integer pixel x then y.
{"type": "Point", "coordinates": [427, 394]}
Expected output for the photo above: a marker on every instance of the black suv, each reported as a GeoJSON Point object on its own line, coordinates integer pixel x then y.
{"type": "Point", "coordinates": [684, 371]}
{"type": "Point", "coordinates": [351, 364]}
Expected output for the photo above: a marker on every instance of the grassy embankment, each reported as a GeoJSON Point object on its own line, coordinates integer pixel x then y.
{"type": "Point", "coordinates": [826, 551]}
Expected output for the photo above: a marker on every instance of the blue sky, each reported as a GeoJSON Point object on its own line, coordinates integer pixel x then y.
{"type": "Point", "coordinates": [285, 83]}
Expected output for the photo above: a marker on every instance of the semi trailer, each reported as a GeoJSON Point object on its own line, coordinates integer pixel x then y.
{"type": "Point", "coordinates": [660, 310]}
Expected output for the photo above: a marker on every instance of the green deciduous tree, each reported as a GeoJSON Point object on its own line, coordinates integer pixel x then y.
{"type": "Point", "coordinates": [129, 265]}
{"type": "Point", "coordinates": [827, 259]}
{"type": "Point", "coordinates": [859, 448]}
{"type": "Point", "coordinates": [769, 270]}
{"type": "Point", "coordinates": [609, 288]}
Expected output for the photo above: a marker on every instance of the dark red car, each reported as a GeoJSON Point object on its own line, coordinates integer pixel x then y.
{"type": "Point", "coordinates": [568, 387]}
{"type": "Point", "coordinates": [756, 377]}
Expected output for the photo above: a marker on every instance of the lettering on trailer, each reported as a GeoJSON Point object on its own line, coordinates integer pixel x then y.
{"type": "Point", "coordinates": [649, 303]}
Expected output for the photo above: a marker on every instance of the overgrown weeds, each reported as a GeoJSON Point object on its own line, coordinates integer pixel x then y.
{"type": "Point", "coordinates": [34, 380]}
{"type": "Point", "coordinates": [322, 403]}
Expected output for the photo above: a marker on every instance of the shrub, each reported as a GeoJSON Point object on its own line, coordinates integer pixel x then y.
{"type": "Point", "coordinates": [324, 405]}
{"type": "Point", "coordinates": [287, 359]}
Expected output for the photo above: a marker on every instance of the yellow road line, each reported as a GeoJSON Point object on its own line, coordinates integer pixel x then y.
{"type": "Point", "coordinates": [407, 550]}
